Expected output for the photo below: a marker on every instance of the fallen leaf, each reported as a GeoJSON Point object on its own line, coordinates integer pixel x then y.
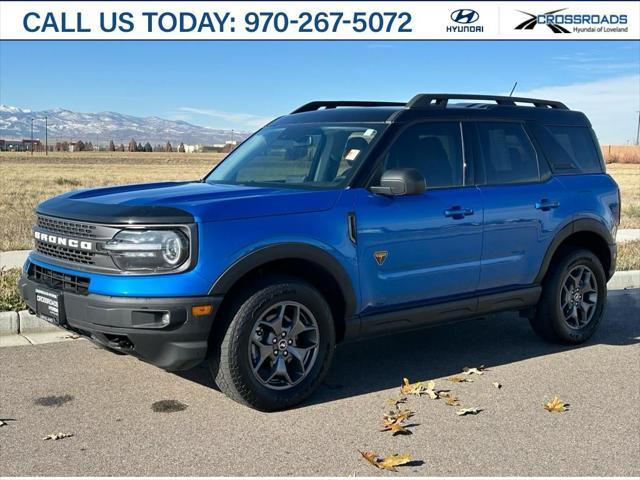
{"type": "Point", "coordinates": [398, 415]}
{"type": "Point", "coordinates": [394, 421]}
{"type": "Point", "coordinates": [497, 385]}
{"type": "Point", "coordinates": [407, 388]}
{"type": "Point", "coordinates": [57, 436]}
{"type": "Point", "coordinates": [468, 411]}
{"type": "Point", "coordinates": [433, 393]}
{"type": "Point", "coordinates": [386, 463]}
{"type": "Point", "coordinates": [452, 401]}
{"type": "Point", "coordinates": [393, 461]}
{"type": "Point", "coordinates": [3, 423]}
{"type": "Point", "coordinates": [370, 457]}
{"type": "Point", "coordinates": [72, 336]}
{"type": "Point", "coordinates": [459, 379]}
{"type": "Point", "coordinates": [473, 370]}
{"type": "Point", "coordinates": [395, 428]}
{"type": "Point", "coordinates": [555, 405]}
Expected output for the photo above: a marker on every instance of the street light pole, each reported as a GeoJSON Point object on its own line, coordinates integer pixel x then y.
{"type": "Point", "coordinates": [32, 137]}
{"type": "Point", "coordinates": [46, 136]}
{"type": "Point", "coordinates": [638, 131]}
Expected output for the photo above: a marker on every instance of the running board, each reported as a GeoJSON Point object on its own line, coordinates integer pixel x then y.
{"type": "Point", "coordinates": [444, 312]}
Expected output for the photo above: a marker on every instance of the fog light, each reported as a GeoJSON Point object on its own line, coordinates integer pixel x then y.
{"type": "Point", "coordinates": [199, 310]}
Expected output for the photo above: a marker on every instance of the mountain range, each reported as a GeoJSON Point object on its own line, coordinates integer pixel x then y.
{"type": "Point", "coordinates": [15, 123]}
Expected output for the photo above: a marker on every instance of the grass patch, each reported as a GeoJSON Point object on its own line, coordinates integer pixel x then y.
{"type": "Point", "coordinates": [67, 181]}
{"type": "Point", "coordinates": [9, 297]}
{"type": "Point", "coordinates": [628, 256]}
{"type": "Point", "coordinates": [627, 176]}
{"type": "Point", "coordinates": [621, 154]}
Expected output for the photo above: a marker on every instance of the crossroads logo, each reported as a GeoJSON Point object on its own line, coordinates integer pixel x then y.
{"type": "Point", "coordinates": [558, 22]}
{"type": "Point", "coordinates": [464, 17]}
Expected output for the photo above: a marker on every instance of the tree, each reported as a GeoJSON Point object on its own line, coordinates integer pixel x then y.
{"type": "Point", "coordinates": [133, 146]}
{"type": "Point", "coordinates": [88, 147]}
{"type": "Point", "coordinates": [181, 148]}
{"type": "Point", "coordinates": [80, 147]}
{"type": "Point", "coordinates": [140, 148]}
{"type": "Point", "coordinates": [112, 147]}
{"type": "Point", "coordinates": [121, 148]}
{"type": "Point", "coordinates": [147, 147]}
{"type": "Point", "coordinates": [168, 147]}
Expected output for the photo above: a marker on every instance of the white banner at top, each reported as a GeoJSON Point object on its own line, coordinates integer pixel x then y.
{"type": "Point", "coordinates": [319, 20]}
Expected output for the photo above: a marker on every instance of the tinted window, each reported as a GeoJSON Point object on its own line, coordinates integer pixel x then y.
{"type": "Point", "coordinates": [434, 149]}
{"type": "Point", "coordinates": [571, 147]}
{"type": "Point", "coordinates": [507, 154]}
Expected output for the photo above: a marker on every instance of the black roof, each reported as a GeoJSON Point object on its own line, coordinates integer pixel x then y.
{"type": "Point", "coordinates": [437, 105]}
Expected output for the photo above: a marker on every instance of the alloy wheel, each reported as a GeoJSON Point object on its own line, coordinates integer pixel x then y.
{"type": "Point", "coordinates": [579, 297]}
{"type": "Point", "coordinates": [284, 345]}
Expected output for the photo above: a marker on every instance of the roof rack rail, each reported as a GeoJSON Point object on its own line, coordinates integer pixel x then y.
{"type": "Point", "coordinates": [429, 100]}
{"type": "Point", "coordinates": [311, 106]}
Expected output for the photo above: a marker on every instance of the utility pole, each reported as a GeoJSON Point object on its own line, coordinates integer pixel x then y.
{"type": "Point", "coordinates": [32, 137]}
{"type": "Point", "coordinates": [46, 136]}
{"type": "Point", "coordinates": [638, 130]}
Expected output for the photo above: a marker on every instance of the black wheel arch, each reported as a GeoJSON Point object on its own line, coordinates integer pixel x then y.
{"type": "Point", "coordinates": [588, 233]}
{"type": "Point", "coordinates": [300, 259]}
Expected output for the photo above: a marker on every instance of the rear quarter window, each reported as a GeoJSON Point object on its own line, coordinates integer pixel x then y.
{"type": "Point", "coordinates": [569, 149]}
{"type": "Point", "coordinates": [507, 154]}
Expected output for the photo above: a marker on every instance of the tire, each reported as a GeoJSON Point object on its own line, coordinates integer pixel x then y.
{"type": "Point", "coordinates": [574, 323]}
{"type": "Point", "coordinates": [253, 326]}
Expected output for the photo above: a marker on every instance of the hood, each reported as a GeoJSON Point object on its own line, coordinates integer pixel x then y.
{"type": "Point", "coordinates": [184, 202]}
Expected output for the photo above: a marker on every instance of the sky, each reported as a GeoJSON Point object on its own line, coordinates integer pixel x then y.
{"type": "Point", "coordinates": [243, 84]}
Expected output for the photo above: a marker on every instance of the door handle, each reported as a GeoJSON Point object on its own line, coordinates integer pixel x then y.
{"type": "Point", "coordinates": [457, 212]}
{"type": "Point", "coordinates": [545, 205]}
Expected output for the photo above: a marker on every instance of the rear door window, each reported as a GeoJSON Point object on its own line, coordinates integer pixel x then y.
{"type": "Point", "coordinates": [569, 148]}
{"type": "Point", "coordinates": [507, 154]}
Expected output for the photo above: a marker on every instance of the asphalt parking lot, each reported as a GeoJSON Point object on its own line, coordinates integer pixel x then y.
{"type": "Point", "coordinates": [105, 401]}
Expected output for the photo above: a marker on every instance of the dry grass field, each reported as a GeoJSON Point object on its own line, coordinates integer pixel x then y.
{"type": "Point", "coordinates": [25, 181]}
{"type": "Point", "coordinates": [621, 153]}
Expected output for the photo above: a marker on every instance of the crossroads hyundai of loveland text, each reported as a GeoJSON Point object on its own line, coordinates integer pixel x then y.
{"type": "Point", "coordinates": [336, 222]}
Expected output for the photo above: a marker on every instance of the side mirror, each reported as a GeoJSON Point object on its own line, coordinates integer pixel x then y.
{"type": "Point", "coordinates": [401, 181]}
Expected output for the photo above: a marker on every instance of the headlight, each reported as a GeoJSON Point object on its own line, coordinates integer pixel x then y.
{"type": "Point", "coordinates": [152, 250]}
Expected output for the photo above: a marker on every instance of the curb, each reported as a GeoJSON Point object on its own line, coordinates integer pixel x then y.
{"type": "Point", "coordinates": [13, 259]}
{"type": "Point", "coordinates": [9, 323]}
{"type": "Point", "coordinates": [29, 323]}
{"type": "Point", "coordinates": [628, 235]}
{"type": "Point", "coordinates": [22, 322]}
{"type": "Point", "coordinates": [624, 280]}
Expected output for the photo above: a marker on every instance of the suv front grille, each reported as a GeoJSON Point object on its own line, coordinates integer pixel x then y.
{"type": "Point", "coordinates": [67, 227]}
{"type": "Point", "coordinates": [65, 253]}
{"type": "Point", "coordinates": [59, 280]}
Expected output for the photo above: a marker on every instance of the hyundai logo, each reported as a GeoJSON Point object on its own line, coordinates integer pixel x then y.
{"type": "Point", "coordinates": [465, 15]}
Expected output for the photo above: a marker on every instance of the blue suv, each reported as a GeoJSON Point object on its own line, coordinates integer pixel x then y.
{"type": "Point", "coordinates": [338, 221]}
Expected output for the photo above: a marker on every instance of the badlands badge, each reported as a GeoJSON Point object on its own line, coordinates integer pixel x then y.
{"type": "Point", "coordinates": [380, 257]}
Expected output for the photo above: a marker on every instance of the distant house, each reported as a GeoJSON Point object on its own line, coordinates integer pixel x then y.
{"type": "Point", "coordinates": [18, 145]}
{"type": "Point", "coordinates": [32, 145]}
{"type": "Point", "coordinates": [225, 147]}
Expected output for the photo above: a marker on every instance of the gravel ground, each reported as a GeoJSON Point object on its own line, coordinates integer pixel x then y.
{"type": "Point", "coordinates": [106, 400]}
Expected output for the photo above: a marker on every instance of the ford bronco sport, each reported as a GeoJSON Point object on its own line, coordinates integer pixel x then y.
{"type": "Point", "coordinates": [336, 222]}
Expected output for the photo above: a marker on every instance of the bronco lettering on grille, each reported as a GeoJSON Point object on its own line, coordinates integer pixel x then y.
{"type": "Point", "coordinates": [66, 242]}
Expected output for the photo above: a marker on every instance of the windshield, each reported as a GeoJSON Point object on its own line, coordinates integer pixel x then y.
{"type": "Point", "coordinates": [311, 155]}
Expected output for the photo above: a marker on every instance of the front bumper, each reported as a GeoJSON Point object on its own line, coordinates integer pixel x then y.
{"type": "Point", "coordinates": [161, 331]}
